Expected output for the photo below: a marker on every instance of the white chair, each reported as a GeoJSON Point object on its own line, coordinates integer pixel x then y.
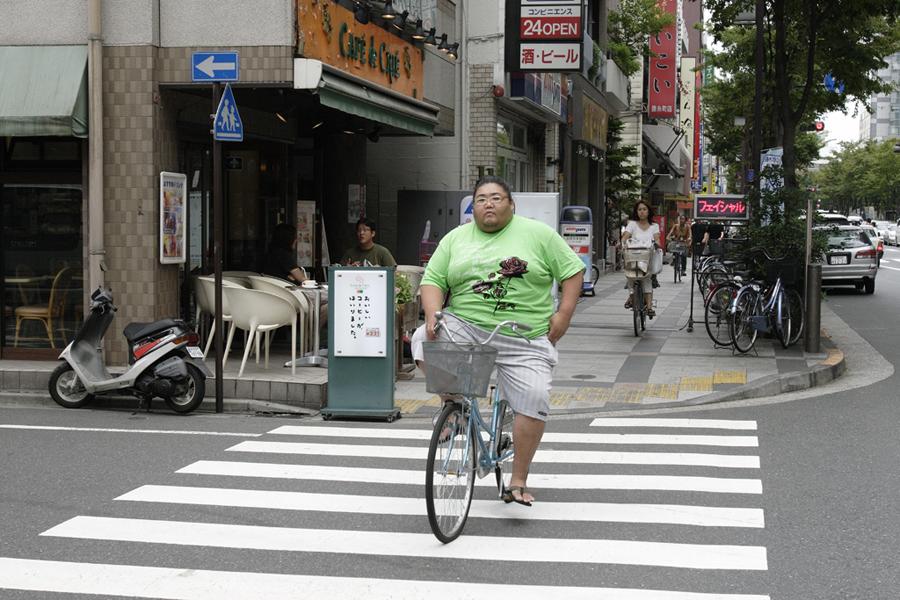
{"type": "Point", "coordinates": [281, 288]}
{"type": "Point", "coordinates": [257, 312]}
{"type": "Point", "coordinates": [206, 301]}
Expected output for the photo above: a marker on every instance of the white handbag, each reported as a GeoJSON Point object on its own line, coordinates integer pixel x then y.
{"type": "Point", "coordinates": [656, 261]}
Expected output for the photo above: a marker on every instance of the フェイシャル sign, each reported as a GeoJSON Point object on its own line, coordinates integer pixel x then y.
{"type": "Point", "coordinates": [721, 207]}
{"type": "Point", "coordinates": [329, 33]}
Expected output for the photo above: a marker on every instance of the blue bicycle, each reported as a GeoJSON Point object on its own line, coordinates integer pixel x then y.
{"type": "Point", "coordinates": [464, 445]}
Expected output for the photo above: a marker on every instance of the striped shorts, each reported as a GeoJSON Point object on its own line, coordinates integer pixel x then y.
{"type": "Point", "coordinates": [524, 370]}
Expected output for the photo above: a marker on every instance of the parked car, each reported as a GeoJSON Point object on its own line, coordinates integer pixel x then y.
{"type": "Point", "coordinates": [827, 218]}
{"type": "Point", "coordinates": [855, 220]}
{"type": "Point", "coordinates": [882, 227]}
{"type": "Point", "coordinates": [851, 258]}
{"type": "Point", "coordinates": [877, 241]}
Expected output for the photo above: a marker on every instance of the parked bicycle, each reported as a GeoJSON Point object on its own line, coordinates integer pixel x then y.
{"type": "Point", "coordinates": [463, 444]}
{"type": "Point", "coordinates": [758, 307]}
{"type": "Point", "coordinates": [679, 259]}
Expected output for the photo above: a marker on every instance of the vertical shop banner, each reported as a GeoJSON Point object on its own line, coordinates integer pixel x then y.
{"type": "Point", "coordinates": [698, 132]}
{"type": "Point", "coordinates": [172, 247]}
{"type": "Point", "coordinates": [306, 232]}
{"type": "Point", "coordinates": [544, 35]}
{"type": "Point", "coordinates": [663, 68]}
{"type": "Point", "coordinates": [686, 112]}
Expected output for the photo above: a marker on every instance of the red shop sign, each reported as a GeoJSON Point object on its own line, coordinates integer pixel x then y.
{"type": "Point", "coordinates": [721, 207]}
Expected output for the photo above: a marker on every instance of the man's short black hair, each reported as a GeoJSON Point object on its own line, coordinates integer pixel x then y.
{"type": "Point", "coordinates": [368, 223]}
{"type": "Point", "coordinates": [283, 235]}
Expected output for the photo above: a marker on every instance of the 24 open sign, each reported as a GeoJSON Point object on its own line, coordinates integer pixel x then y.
{"type": "Point", "coordinates": [721, 207]}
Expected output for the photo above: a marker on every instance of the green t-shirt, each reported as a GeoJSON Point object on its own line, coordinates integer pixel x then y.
{"type": "Point", "coordinates": [493, 277]}
{"type": "Point", "coordinates": [378, 256]}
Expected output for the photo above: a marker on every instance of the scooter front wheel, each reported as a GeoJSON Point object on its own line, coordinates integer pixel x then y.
{"type": "Point", "coordinates": [193, 392]}
{"type": "Point", "coordinates": [66, 388]}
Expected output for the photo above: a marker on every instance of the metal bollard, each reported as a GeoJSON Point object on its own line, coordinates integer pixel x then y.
{"type": "Point", "coordinates": [812, 334]}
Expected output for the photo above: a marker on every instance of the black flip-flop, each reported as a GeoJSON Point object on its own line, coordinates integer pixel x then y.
{"type": "Point", "coordinates": [508, 495]}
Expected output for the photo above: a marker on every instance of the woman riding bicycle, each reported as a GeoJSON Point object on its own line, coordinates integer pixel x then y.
{"type": "Point", "coordinates": [502, 267]}
{"type": "Point", "coordinates": [641, 228]}
{"type": "Point", "coordinates": [680, 237]}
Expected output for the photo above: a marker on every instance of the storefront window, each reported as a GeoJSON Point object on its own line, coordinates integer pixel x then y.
{"type": "Point", "coordinates": [42, 264]}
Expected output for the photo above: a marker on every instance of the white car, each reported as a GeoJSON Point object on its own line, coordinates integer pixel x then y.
{"type": "Point", "coordinates": [892, 235]}
{"type": "Point", "coordinates": [877, 240]}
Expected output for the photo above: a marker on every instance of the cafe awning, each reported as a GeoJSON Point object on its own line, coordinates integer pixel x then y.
{"type": "Point", "coordinates": [43, 91]}
{"type": "Point", "coordinates": [357, 97]}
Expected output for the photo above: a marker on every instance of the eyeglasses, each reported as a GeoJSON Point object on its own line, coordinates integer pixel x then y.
{"type": "Point", "coordinates": [494, 199]}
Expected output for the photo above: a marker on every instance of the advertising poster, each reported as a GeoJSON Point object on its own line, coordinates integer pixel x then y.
{"type": "Point", "coordinates": [172, 247]}
{"type": "Point", "coordinates": [356, 202]}
{"type": "Point", "coordinates": [360, 313]}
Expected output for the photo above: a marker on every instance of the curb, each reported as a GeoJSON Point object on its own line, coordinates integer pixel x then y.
{"type": "Point", "coordinates": [230, 405]}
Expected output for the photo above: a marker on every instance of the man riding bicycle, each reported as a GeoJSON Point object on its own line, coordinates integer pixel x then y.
{"type": "Point", "coordinates": [502, 267]}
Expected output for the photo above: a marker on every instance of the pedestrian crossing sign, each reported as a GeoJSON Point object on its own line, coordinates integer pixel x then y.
{"type": "Point", "coordinates": [228, 126]}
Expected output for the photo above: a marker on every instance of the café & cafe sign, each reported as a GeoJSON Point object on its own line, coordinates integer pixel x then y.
{"type": "Point", "coordinates": [329, 33]}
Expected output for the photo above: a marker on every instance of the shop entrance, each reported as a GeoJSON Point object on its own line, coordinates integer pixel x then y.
{"type": "Point", "coordinates": [41, 246]}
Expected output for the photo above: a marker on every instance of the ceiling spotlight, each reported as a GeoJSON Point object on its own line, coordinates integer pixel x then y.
{"type": "Point", "coordinates": [349, 132]}
{"type": "Point", "coordinates": [429, 39]}
{"type": "Point", "coordinates": [280, 117]}
{"type": "Point", "coordinates": [443, 47]}
{"type": "Point", "coordinates": [419, 33]}
{"type": "Point", "coordinates": [362, 13]}
{"type": "Point", "coordinates": [319, 124]}
{"type": "Point", "coordinates": [400, 21]}
{"type": "Point", "coordinates": [388, 14]}
{"type": "Point", "coordinates": [453, 52]}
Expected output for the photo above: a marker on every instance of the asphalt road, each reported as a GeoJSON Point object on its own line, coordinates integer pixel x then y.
{"type": "Point", "coordinates": [793, 497]}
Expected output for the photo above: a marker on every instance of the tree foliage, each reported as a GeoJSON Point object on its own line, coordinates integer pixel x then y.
{"type": "Point", "coordinates": [623, 178]}
{"type": "Point", "coordinates": [860, 175]}
{"type": "Point", "coordinates": [630, 27]}
{"type": "Point", "coordinates": [804, 41]}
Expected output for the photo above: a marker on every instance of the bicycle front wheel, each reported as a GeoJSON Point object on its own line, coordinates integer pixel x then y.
{"type": "Point", "coordinates": [504, 445]}
{"type": "Point", "coordinates": [450, 474]}
{"type": "Point", "coordinates": [716, 313]}
{"type": "Point", "coordinates": [743, 334]}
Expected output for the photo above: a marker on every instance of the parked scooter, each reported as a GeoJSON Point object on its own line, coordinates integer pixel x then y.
{"type": "Point", "coordinates": [163, 360]}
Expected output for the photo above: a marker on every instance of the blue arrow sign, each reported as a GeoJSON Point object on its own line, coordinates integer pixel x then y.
{"type": "Point", "coordinates": [228, 126]}
{"type": "Point", "coordinates": [214, 66]}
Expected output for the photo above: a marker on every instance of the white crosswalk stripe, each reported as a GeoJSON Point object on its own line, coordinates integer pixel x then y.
{"type": "Point", "coordinates": [580, 465]}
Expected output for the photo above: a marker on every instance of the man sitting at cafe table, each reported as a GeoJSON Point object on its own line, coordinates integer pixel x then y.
{"type": "Point", "coordinates": [366, 252]}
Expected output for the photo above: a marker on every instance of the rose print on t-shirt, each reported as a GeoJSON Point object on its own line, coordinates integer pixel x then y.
{"type": "Point", "coordinates": [497, 284]}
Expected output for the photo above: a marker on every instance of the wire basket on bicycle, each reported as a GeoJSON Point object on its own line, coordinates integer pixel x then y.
{"type": "Point", "coordinates": [637, 260]}
{"type": "Point", "coordinates": [458, 368]}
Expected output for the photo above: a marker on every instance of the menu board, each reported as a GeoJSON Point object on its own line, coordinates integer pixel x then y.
{"type": "Point", "coordinates": [360, 312]}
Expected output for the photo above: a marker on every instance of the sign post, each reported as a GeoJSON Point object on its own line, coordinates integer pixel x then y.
{"type": "Point", "coordinates": [215, 68]}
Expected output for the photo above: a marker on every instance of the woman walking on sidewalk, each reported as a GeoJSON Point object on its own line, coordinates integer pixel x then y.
{"type": "Point", "coordinates": [641, 228]}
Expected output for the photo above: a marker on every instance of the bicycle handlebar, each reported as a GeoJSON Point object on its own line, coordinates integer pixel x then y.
{"type": "Point", "coordinates": [515, 326]}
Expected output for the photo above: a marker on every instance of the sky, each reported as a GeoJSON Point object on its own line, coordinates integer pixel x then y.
{"type": "Point", "coordinates": [840, 128]}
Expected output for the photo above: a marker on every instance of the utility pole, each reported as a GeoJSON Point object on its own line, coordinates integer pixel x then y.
{"type": "Point", "coordinates": [758, 93]}
{"type": "Point", "coordinates": [96, 247]}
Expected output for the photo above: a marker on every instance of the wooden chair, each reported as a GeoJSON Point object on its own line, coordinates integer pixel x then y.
{"type": "Point", "coordinates": [54, 310]}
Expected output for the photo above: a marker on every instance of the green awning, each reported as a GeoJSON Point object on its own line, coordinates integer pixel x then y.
{"type": "Point", "coordinates": [369, 103]}
{"type": "Point", "coordinates": [43, 91]}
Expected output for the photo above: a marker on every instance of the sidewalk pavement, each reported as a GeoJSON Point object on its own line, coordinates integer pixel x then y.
{"type": "Point", "coordinates": [602, 366]}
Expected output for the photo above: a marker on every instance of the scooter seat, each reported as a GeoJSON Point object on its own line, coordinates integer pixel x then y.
{"type": "Point", "coordinates": [137, 331]}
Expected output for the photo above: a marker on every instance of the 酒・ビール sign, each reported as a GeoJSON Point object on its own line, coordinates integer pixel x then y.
{"type": "Point", "coordinates": [550, 56]}
{"type": "Point", "coordinates": [721, 207]}
{"type": "Point", "coordinates": [329, 33]}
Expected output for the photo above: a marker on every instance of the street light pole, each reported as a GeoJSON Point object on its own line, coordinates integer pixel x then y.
{"type": "Point", "coordinates": [758, 92]}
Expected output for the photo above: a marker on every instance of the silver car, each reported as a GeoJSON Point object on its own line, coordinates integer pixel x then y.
{"type": "Point", "coordinates": [851, 259]}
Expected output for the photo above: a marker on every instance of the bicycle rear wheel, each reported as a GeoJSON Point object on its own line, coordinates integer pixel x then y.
{"type": "Point", "coordinates": [716, 313]}
{"type": "Point", "coordinates": [504, 437]}
{"type": "Point", "coordinates": [450, 474]}
{"type": "Point", "coordinates": [743, 334]}
{"type": "Point", "coordinates": [798, 314]}
{"type": "Point", "coordinates": [783, 319]}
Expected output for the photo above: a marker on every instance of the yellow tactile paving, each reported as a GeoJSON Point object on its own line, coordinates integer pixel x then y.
{"type": "Point", "coordinates": [834, 357]}
{"type": "Point", "coordinates": [696, 384]}
{"type": "Point", "coordinates": [730, 377]}
{"type": "Point", "coordinates": [628, 393]}
{"type": "Point", "coordinates": [668, 391]}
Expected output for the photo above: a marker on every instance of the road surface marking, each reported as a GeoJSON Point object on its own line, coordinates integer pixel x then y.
{"type": "Point", "coordinates": [419, 545]}
{"type": "Point", "coordinates": [656, 422]}
{"type": "Point", "coordinates": [113, 430]}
